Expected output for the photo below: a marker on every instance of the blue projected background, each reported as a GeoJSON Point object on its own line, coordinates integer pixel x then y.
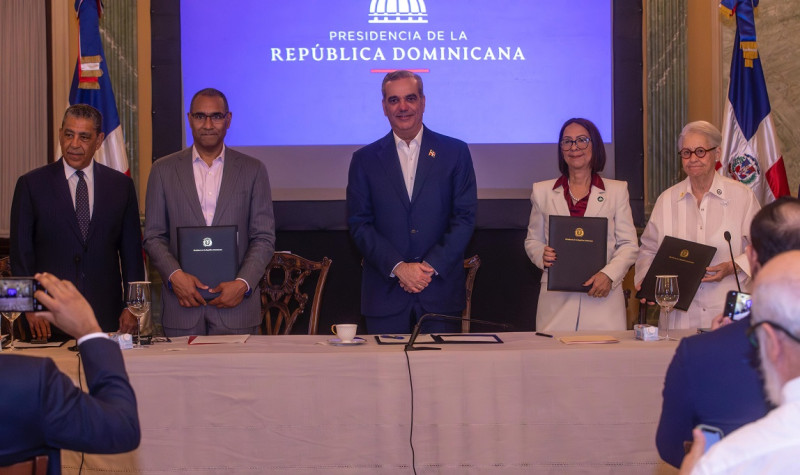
{"type": "Point", "coordinates": [308, 72]}
{"type": "Point", "coordinates": [303, 81]}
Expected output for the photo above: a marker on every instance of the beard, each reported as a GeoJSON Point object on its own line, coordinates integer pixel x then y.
{"type": "Point", "coordinates": [772, 382]}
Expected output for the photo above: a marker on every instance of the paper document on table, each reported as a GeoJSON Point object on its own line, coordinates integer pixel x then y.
{"type": "Point", "coordinates": [215, 339]}
{"type": "Point", "coordinates": [587, 339]}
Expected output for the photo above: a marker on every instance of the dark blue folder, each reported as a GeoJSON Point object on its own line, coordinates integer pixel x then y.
{"type": "Point", "coordinates": [580, 245]}
{"type": "Point", "coordinates": [209, 253]}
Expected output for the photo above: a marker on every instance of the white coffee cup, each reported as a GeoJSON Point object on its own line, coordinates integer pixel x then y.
{"type": "Point", "coordinates": [345, 331]}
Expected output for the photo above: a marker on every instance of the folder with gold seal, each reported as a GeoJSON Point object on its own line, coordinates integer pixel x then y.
{"type": "Point", "coordinates": [580, 245]}
{"type": "Point", "coordinates": [209, 253]}
{"type": "Point", "coordinates": [686, 259]}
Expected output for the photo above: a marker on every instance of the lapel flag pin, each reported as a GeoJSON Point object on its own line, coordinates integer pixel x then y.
{"type": "Point", "coordinates": [431, 153]}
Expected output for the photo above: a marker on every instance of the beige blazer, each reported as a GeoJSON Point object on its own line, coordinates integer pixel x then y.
{"type": "Point", "coordinates": [569, 311]}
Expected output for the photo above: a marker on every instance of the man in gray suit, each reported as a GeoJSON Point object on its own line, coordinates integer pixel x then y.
{"type": "Point", "coordinates": [209, 184]}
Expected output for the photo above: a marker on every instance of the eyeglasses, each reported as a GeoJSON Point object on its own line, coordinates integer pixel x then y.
{"type": "Point", "coordinates": [216, 117]}
{"type": "Point", "coordinates": [701, 152]}
{"type": "Point", "coordinates": [751, 332]}
{"type": "Point", "coordinates": [582, 142]}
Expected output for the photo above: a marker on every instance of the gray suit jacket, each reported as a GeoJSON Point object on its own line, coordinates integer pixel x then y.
{"type": "Point", "coordinates": [244, 200]}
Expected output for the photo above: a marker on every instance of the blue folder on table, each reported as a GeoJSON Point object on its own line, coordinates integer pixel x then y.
{"type": "Point", "coordinates": [209, 253]}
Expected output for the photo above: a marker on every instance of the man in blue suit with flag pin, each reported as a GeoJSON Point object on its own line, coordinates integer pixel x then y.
{"type": "Point", "coordinates": [411, 201]}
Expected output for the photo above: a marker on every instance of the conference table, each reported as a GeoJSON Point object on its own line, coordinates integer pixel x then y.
{"type": "Point", "coordinates": [297, 405]}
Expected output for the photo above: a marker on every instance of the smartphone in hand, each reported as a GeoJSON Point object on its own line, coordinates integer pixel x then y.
{"type": "Point", "coordinates": [712, 435]}
{"type": "Point", "coordinates": [737, 305]}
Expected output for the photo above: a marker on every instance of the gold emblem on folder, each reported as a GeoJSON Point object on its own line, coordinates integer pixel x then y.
{"type": "Point", "coordinates": [579, 232]}
{"type": "Point", "coordinates": [684, 253]}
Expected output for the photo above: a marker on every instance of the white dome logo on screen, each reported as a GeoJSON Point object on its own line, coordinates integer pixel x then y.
{"type": "Point", "coordinates": [397, 11]}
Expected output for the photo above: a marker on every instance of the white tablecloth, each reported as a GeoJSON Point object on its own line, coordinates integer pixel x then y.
{"type": "Point", "coordinates": [284, 404]}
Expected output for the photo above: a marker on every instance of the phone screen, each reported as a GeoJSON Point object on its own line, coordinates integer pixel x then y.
{"type": "Point", "coordinates": [712, 435]}
{"type": "Point", "coordinates": [16, 295]}
{"type": "Point", "coordinates": [737, 305]}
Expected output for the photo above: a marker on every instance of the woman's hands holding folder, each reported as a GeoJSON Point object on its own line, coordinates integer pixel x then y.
{"type": "Point", "coordinates": [601, 285]}
{"type": "Point", "coordinates": [549, 256]}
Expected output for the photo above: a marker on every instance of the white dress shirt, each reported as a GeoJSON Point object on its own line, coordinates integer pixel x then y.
{"type": "Point", "coordinates": [207, 181]}
{"type": "Point", "coordinates": [408, 153]}
{"type": "Point", "coordinates": [409, 157]}
{"type": "Point", "coordinates": [72, 181]}
{"type": "Point", "coordinates": [768, 445]}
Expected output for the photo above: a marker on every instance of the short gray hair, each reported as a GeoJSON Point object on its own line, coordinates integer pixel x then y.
{"type": "Point", "coordinates": [704, 128]}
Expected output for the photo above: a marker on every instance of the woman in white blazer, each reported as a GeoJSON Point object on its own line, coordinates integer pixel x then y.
{"type": "Point", "coordinates": [580, 191]}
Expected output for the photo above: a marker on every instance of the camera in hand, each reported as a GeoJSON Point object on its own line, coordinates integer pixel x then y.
{"type": "Point", "coordinates": [16, 295]}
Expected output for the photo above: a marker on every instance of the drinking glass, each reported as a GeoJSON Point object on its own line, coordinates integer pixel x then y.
{"type": "Point", "coordinates": [667, 296]}
{"type": "Point", "coordinates": [138, 300]}
{"type": "Point", "coordinates": [11, 316]}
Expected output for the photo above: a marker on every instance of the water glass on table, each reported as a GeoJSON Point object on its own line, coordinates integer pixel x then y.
{"type": "Point", "coordinates": [138, 301]}
{"type": "Point", "coordinates": [667, 296]}
{"type": "Point", "coordinates": [11, 316]}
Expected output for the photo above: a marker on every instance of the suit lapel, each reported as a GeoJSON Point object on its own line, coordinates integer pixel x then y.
{"type": "Point", "coordinates": [63, 198]}
{"type": "Point", "coordinates": [390, 161]}
{"type": "Point", "coordinates": [558, 202]}
{"type": "Point", "coordinates": [185, 176]}
{"type": "Point", "coordinates": [427, 158]}
{"type": "Point", "coordinates": [230, 176]}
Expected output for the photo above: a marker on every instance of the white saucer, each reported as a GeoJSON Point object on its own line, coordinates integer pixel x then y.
{"type": "Point", "coordinates": [356, 341]}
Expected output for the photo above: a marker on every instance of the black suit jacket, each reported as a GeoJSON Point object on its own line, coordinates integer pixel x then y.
{"type": "Point", "coordinates": [44, 412]}
{"type": "Point", "coordinates": [45, 236]}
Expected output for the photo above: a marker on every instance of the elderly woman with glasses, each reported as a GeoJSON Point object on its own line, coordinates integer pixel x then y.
{"type": "Point", "coordinates": [702, 208]}
{"type": "Point", "coordinates": [580, 191]}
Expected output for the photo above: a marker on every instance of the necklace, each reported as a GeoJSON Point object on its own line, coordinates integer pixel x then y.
{"type": "Point", "coordinates": [574, 200]}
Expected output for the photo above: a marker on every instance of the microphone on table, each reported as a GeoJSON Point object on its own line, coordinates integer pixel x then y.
{"type": "Point", "coordinates": [730, 248]}
{"type": "Point", "coordinates": [415, 333]}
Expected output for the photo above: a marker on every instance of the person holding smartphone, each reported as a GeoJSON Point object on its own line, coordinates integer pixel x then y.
{"type": "Point", "coordinates": [771, 444]}
{"type": "Point", "coordinates": [711, 379]}
{"type": "Point", "coordinates": [45, 411]}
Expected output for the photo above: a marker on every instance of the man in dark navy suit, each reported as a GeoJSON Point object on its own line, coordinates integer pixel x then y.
{"type": "Point", "coordinates": [713, 378]}
{"type": "Point", "coordinates": [44, 412]}
{"type": "Point", "coordinates": [78, 219]}
{"type": "Point", "coordinates": [411, 201]}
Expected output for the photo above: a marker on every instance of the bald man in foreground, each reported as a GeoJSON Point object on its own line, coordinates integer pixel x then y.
{"type": "Point", "coordinates": [772, 443]}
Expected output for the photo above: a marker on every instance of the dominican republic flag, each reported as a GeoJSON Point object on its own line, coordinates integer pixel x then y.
{"type": "Point", "coordinates": [750, 152]}
{"type": "Point", "coordinates": [92, 85]}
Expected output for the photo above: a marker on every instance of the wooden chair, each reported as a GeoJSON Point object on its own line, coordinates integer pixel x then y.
{"type": "Point", "coordinates": [5, 267]}
{"type": "Point", "coordinates": [34, 466]}
{"type": "Point", "coordinates": [471, 265]}
{"type": "Point", "coordinates": [282, 299]}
